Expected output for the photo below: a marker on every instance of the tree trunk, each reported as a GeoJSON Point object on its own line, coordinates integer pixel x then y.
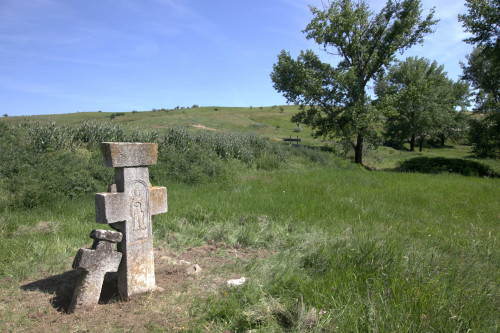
{"type": "Point", "coordinates": [358, 150]}
{"type": "Point", "coordinates": [443, 139]}
{"type": "Point", "coordinates": [412, 143]}
{"type": "Point", "coordinates": [420, 144]}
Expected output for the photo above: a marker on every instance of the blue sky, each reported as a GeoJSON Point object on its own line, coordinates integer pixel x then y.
{"type": "Point", "coordinates": [64, 56]}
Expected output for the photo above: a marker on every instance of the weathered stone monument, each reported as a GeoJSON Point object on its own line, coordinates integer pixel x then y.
{"type": "Point", "coordinates": [94, 263]}
{"type": "Point", "coordinates": [128, 208]}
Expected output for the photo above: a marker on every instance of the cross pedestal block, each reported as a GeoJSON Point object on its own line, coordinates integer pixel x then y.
{"type": "Point", "coordinates": [130, 210]}
{"type": "Point", "coordinates": [94, 263]}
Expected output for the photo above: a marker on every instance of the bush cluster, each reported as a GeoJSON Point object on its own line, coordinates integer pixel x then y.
{"type": "Point", "coordinates": [53, 137]}
{"type": "Point", "coordinates": [47, 160]}
{"type": "Point", "coordinates": [118, 114]}
{"type": "Point", "coordinates": [443, 164]}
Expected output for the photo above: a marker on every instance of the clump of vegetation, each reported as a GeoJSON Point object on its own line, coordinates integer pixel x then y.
{"type": "Point", "coordinates": [483, 71]}
{"type": "Point", "coordinates": [484, 134]}
{"type": "Point", "coordinates": [114, 115]}
{"type": "Point", "coordinates": [92, 132]}
{"type": "Point", "coordinates": [48, 160]}
{"type": "Point", "coordinates": [442, 164]}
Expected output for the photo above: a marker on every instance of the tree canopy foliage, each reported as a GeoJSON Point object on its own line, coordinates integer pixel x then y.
{"type": "Point", "coordinates": [333, 98]}
{"type": "Point", "coordinates": [483, 71]}
{"type": "Point", "coordinates": [420, 101]}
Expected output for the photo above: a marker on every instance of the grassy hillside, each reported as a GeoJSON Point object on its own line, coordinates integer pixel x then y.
{"type": "Point", "coordinates": [271, 122]}
{"type": "Point", "coordinates": [325, 246]}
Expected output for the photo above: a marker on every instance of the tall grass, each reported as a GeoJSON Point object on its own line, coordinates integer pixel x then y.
{"type": "Point", "coordinates": [351, 251]}
{"type": "Point", "coordinates": [347, 250]}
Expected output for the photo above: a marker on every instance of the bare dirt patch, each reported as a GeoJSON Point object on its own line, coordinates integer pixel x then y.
{"type": "Point", "coordinates": [203, 127]}
{"type": "Point", "coordinates": [41, 305]}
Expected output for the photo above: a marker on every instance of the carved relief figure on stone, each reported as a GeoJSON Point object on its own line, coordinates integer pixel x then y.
{"type": "Point", "coordinates": [137, 209]}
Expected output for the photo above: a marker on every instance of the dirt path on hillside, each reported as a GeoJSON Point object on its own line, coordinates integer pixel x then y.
{"type": "Point", "coordinates": [204, 127]}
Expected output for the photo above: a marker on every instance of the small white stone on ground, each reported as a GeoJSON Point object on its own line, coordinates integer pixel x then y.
{"type": "Point", "coordinates": [236, 282]}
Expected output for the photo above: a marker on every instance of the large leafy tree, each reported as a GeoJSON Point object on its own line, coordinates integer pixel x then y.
{"type": "Point", "coordinates": [419, 101]}
{"type": "Point", "coordinates": [483, 71]}
{"type": "Point", "coordinates": [334, 100]}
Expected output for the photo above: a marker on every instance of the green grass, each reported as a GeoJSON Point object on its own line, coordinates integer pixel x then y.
{"type": "Point", "coordinates": [347, 250]}
{"type": "Point", "coordinates": [352, 250]}
{"type": "Point", "coordinates": [371, 251]}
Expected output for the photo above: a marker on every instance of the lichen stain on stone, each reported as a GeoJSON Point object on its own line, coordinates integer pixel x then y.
{"type": "Point", "coordinates": [141, 277]}
{"type": "Point", "coordinates": [127, 154]}
{"type": "Point", "coordinates": [158, 199]}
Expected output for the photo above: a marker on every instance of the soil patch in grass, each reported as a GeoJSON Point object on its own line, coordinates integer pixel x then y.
{"type": "Point", "coordinates": [41, 305]}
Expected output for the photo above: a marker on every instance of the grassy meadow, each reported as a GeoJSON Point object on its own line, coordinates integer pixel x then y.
{"type": "Point", "coordinates": [341, 248]}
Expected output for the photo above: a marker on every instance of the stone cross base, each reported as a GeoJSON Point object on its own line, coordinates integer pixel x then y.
{"type": "Point", "coordinates": [94, 264]}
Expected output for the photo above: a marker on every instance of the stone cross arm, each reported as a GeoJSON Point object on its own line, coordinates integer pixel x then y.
{"type": "Point", "coordinates": [113, 207]}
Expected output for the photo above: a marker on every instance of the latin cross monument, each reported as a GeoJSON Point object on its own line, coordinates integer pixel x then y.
{"type": "Point", "coordinates": [128, 207]}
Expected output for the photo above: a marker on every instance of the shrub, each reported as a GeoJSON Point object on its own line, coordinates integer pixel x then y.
{"type": "Point", "coordinates": [47, 160]}
{"type": "Point", "coordinates": [114, 115]}
{"type": "Point", "coordinates": [33, 178]}
{"type": "Point", "coordinates": [96, 132]}
{"type": "Point", "coordinates": [139, 135]}
{"type": "Point", "coordinates": [441, 164]}
{"type": "Point", "coordinates": [484, 135]}
{"type": "Point", "coordinates": [50, 137]}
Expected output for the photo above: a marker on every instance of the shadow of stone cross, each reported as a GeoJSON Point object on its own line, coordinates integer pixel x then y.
{"type": "Point", "coordinates": [129, 208]}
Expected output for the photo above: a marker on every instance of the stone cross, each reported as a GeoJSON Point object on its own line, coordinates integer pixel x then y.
{"type": "Point", "coordinates": [128, 208]}
{"type": "Point", "coordinates": [94, 264]}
